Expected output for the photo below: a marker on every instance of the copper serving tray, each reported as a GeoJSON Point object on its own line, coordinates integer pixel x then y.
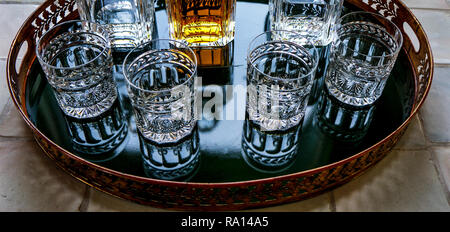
{"type": "Point", "coordinates": [233, 195]}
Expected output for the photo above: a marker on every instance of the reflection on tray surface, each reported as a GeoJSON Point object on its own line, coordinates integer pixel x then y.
{"type": "Point", "coordinates": [316, 148]}
{"type": "Point", "coordinates": [341, 121]}
{"type": "Point", "coordinates": [269, 151]}
{"type": "Point", "coordinates": [174, 161]}
{"type": "Point", "coordinates": [97, 138]}
{"type": "Point", "coordinates": [231, 150]}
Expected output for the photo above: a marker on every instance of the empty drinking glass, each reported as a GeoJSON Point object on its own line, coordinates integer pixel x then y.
{"type": "Point", "coordinates": [160, 78]}
{"type": "Point", "coordinates": [76, 58]}
{"type": "Point", "coordinates": [279, 78]}
{"type": "Point", "coordinates": [362, 57]}
{"type": "Point", "coordinates": [129, 22]}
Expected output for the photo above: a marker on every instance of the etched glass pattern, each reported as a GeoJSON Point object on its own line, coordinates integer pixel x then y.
{"type": "Point", "coordinates": [362, 58]}
{"type": "Point", "coordinates": [160, 81]}
{"type": "Point", "coordinates": [76, 58]}
{"type": "Point", "coordinates": [279, 80]}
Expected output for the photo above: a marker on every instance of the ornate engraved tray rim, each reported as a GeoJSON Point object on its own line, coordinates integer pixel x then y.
{"type": "Point", "coordinates": [227, 195]}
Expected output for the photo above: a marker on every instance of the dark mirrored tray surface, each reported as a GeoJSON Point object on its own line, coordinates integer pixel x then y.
{"type": "Point", "coordinates": [220, 157]}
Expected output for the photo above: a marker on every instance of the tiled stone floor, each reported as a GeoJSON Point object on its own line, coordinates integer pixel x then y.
{"type": "Point", "coordinates": [414, 177]}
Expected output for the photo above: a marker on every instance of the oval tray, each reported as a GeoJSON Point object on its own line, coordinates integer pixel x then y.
{"type": "Point", "coordinates": [237, 186]}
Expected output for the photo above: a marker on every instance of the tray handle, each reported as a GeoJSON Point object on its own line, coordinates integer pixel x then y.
{"type": "Point", "coordinates": [43, 18]}
{"type": "Point", "coordinates": [419, 51]}
{"type": "Point", "coordinates": [22, 51]}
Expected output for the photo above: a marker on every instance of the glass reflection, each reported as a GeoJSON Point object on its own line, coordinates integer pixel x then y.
{"type": "Point", "coordinates": [171, 161]}
{"type": "Point", "coordinates": [343, 122]}
{"type": "Point", "coordinates": [97, 139]}
{"type": "Point", "coordinates": [269, 151]}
